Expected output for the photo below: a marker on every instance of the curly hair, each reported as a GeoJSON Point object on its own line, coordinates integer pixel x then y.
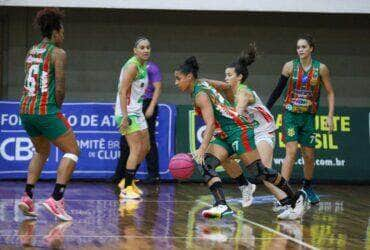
{"type": "Point", "coordinates": [49, 19]}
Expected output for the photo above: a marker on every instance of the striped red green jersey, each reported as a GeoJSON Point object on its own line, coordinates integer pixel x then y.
{"type": "Point", "coordinates": [38, 96]}
{"type": "Point", "coordinates": [303, 92]}
{"type": "Point", "coordinates": [226, 117]}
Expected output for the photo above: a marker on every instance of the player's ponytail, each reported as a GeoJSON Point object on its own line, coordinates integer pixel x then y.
{"type": "Point", "coordinates": [245, 59]}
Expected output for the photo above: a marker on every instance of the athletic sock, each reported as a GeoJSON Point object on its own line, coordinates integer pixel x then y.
{"type": "Point", "coordinates": [58, 191]}
{"type": "Point", "coordinates": [240, 180]}
{"type": "Point", "coordinates": [218, 194]}
{"type": "Point", "coordinates": [306, 183]}
{"type": "Point", "coordinates": [286, 201]}
{"type": "Point", "coordinates": [284, 185]}
{"type": "Point", "coordinates": [29, 190]}
{"type": "Point", "coordinates": [130, 174]}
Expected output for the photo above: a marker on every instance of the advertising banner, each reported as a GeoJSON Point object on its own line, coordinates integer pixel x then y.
{"type": "Point", "coordinates": [97, 137]}
{"type": "Point", "coordinates": [340, 156]}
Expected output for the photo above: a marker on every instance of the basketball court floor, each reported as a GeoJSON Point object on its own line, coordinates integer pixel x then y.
{"type": "Point", "coordinates": [169, 217]}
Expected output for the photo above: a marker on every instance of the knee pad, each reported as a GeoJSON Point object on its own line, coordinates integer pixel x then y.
{"type": "Point", "coordinates": [259, 173]}
{"type": "Point", "coordinates": [73, 157]}
{"type": "Point", "coordinates": [208, 168]}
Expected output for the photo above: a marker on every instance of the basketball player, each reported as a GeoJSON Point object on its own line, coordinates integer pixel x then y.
{"type": "Point", "coordinates": [305, 76]}
{"type": "Point", "coordinates": [247, 103]}
{"type": "Point", "coordinates": [42, 98]}
{"type": "Point", "coordinates": [237, 137]}
{"type": "Point", "coordinates": [129, 115]}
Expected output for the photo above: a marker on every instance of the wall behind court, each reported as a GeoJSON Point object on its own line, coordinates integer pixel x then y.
{"type": "Point", "coordinates": [99, 41]}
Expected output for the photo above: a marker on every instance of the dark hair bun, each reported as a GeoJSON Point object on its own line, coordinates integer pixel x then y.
{"type": "Point", "coordinates": [193, 63]}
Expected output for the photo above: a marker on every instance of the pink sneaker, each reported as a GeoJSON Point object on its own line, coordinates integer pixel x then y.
{"type": "Point", "coordinates": [26, 206]}
{"type": "Point", "coordinates": [57, 209]}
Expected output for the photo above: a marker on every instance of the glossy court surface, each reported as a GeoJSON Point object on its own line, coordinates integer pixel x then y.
{"type": "Point", "coordinates": [169, 217]}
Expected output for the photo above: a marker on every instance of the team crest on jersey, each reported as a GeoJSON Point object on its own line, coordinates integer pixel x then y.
{"type": "Point", "coordinates": [291, 132]}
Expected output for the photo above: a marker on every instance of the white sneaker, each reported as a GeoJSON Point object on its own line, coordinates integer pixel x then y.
{"type": "Point", "coordinates": [217, 211]}
{"type": "Point", "coordinates": [278, 208]}
{"type": "Point", "coordinates": [296, 212]}
{"type": "Point", "coordinates": [247, 194]}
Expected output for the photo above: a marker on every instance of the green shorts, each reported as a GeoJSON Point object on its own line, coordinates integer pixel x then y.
{"type": "Point", "coordinates": [237, 141]}
{"type": "Point", "coordinates": [51, 126]}
{"type": "Point", "coordinates": [299, 127]}
{"type": "Point", "coordinates": [137, 123]}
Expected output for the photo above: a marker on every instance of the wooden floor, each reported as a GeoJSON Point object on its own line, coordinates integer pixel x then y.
{"type": "Point", "coordinates": [169, 217]}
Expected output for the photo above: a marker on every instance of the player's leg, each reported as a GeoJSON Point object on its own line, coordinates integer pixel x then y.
{"type": "Point", "coordinates": [236, 173]}
{"type": "Point", "coordinates": [265, 143]}
{"type": "Point", "coordinates": [278, 186]}
{"type": "Point", "coordinates": [42, 151]}
{"type": "Point", "coordinates": [56, 128]}
{"type": "Point", "coordinates": [309, 166]}
{"type": "Point", "coordinates": [307, 139]}
{"type": "Point", "coordinates": [216, 152]}
{"type": "Point", "coordinates": [291, 125]}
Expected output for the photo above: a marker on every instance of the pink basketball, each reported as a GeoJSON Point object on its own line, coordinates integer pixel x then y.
{"type": "Point", "coordinates": [181, 166]}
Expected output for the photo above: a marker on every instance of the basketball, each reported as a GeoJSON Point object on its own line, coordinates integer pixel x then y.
{"type": "Point", "coordinates": [181, 166]}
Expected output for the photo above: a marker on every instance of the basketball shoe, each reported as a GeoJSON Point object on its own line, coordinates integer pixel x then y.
{"type": "Point", "coordinates": [217, 211]}
{"type": "Point", "coordinates": [121, 185]}
{"type": "Point", "coordinates": [57, 208]}
{"type": "Point", "coordinates": [27, 206]}
{"type": "Point", "coordinates": [247, 194]}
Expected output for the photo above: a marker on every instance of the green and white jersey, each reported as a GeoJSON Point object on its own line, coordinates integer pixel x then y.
{"type": "Point", "coordinates": [136, 92]}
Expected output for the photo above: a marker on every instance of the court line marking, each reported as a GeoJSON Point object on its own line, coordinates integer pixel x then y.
{"type": "Point", "coordinates": [142, 237]}
{"type": "Point", "coordinates": [299, 242]}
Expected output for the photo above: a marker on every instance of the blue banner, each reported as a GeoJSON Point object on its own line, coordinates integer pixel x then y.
{"type": "Point", "coordinates": [97, 137]}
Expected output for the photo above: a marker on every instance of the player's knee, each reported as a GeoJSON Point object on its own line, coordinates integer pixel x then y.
{"type": "Point", "coordinates": [76, 151]}
{"type": "Point", "coordinates": [209, 168]}
{"type": "Point", "coordinates": [259, 173]}
{"type": "Point", "coordinates": [71, 156]}
{"type": "Point", "coordinates": [43, 151]}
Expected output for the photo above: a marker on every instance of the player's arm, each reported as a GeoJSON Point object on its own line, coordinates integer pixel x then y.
{"type": "Point", "coordinates": [283, 80]}
{"type": "Point", "coordinates": [157, 92]}
{"type": "Point", "coordinates": [202, 101]}
{"type": "Point", "coordinates": [222, 87]}
{"type": "Point", "coordinates": [59, 58]}
{"type": "Point", "coordinates": [244, 98]}
{"type": "Point", "coordinates": [129, 74]}
{"type": "Point", "coordinates": [325, 77]}
{"type": "Point", "coordinates": [219, 85]}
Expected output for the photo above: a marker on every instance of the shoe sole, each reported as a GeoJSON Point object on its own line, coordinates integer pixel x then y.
{"type": "Point", "coordinates": [216, 216]}
{"type": "Point", "coordinates": [60, 217]}
{"type": "Point", "coordinates": [24, 208]}
{"type": "Point", "coordinates": [314, 203]}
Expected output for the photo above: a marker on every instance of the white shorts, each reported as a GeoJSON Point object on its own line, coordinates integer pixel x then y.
{"type": "Point", "coordinates": [268, 137]}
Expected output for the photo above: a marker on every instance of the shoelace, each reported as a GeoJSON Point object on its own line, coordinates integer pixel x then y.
{"type": "Point", "coordinates": [60, 207]}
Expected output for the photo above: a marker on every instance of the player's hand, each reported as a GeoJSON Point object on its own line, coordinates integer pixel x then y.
{"type": "Point", "coordinates": [149, 113]}
{"type": "Point", "coordinates": [198, 155]}
{"type": "Point", "coordinates": [330, 124]}
{"type": "Point", "coordinates": [124, 123]}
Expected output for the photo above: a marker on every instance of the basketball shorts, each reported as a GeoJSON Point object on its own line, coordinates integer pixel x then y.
{"type": "Point", "coordinates": [299, 127]}
{"type": "Point", "coordinates": [51, 126]}
{"type": "Point", "coordinates": [136, 123]}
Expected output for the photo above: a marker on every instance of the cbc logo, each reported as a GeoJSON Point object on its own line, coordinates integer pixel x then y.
{"type": "Point", "coordinates": [200, 133]}
{"type": "Point", "coordinates": [16, 149]}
